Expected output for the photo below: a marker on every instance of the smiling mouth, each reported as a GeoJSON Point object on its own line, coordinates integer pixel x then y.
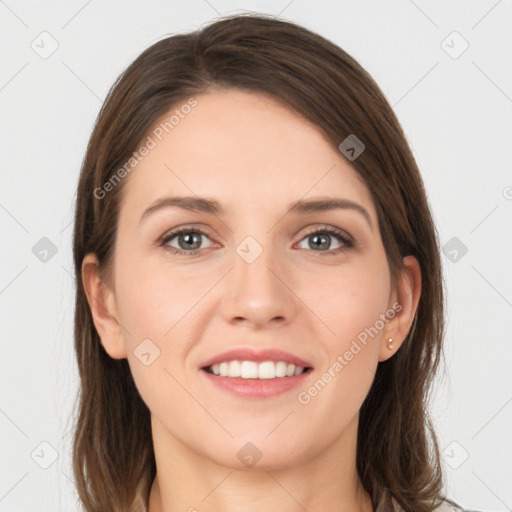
{"type": "Point", "coordinates": [254, 370]}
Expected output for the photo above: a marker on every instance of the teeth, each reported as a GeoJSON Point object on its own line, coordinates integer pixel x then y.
{"type": "Point", "coordinates": [248, 370]}
{"type": "Point", "coordinates": [253, 370]}
{"type": "Point", "coordinates": [233, 369]}
{"type": "Point", "coordinates": [281, 369]}
{"type": "Point", "coordinates": [298, 370]}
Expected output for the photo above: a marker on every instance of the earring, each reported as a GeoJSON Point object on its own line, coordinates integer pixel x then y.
{"type": "Point", "coordinates": [390, 343]}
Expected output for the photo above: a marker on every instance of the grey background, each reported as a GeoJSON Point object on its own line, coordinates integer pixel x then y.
{"type": "Point", "coordinates": [456, 112]}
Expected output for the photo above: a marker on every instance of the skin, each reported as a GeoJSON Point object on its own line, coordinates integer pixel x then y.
{"type": "Point", "coordinates": [256, 158]}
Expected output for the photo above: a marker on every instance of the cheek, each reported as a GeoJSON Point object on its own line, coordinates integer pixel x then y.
{"type": "Point", "coordinates": [153, 300]}
{"type": "Point", "coordinates": [152, 309]}
{"type": "Point", "coordinates": [162, 306]}
{"type": "Point", "coordinates": [351, 307]}
{"type": "Point", "coordinates": [350, 303]}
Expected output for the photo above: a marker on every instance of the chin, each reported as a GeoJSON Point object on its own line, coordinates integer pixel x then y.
{"type": "Point", "coordinates": [257, 455]}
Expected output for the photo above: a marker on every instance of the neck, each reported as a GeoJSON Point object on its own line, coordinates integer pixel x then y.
{"type": "Point", "coordinates": [188, 481]}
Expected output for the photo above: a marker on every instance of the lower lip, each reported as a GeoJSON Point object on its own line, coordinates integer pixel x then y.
{"type": "Point", "coordinates": [256, 388]}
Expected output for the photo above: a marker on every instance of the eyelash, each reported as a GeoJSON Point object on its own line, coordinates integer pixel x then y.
{"type": "Point", "coordinates": [340, 235]}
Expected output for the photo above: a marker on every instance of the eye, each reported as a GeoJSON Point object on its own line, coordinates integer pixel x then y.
{"type": "Point", "coordinates": [188, 241]}
{"type": "Point", "coordinates": [320, 240]}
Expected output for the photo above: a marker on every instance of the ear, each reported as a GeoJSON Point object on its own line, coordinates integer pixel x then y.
{"type": "Point", "coordinates": [404, 302]}
{"type": "Point", "coordinates": [102, 303]}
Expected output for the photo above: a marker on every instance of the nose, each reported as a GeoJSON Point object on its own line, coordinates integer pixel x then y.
{"type": "Point", "coordinates": [259, 292]}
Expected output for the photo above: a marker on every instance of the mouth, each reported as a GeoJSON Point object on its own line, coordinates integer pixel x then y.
{"type": "Point", "coordinates": [254, 370]}
{"type": "Point", "coordinates": [255, 380]}
{"type": "Point", "coordinates": [247, 373]}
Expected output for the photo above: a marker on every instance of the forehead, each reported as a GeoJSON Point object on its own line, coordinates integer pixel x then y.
{"type": "Point", "coordinates": [244, 148]}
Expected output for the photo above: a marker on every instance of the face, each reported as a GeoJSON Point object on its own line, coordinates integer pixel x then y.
{"type": "Point", "coordinates": [257, 275]}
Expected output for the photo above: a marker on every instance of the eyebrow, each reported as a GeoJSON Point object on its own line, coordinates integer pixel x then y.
{"type": "Point", "coordinates": [206, 205]}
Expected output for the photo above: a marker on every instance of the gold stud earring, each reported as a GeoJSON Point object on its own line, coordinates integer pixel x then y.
{"type": "Point", "coordinates": [390, 343]}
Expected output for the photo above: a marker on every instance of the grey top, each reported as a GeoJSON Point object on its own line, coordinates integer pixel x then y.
{"type": "Point", "coordinates": [388, 504]}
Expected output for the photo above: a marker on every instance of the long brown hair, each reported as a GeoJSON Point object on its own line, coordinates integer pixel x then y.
{"type": "Point", "coordinates": [397, 449]}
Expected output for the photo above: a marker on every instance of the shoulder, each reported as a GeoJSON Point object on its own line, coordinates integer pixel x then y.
{"type": "Point", "coordinates": [447, 506]}
{"type": "Point", "coordinates": [451, 506]}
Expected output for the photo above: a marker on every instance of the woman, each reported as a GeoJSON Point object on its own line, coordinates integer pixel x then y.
{"type": "Point", "coordinates": [259, 309]}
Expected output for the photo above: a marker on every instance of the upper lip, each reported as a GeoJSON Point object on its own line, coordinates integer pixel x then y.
{"type": "Point", "coordinates": [250, 354]}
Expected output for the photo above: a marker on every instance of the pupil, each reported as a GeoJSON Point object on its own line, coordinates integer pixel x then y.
{"type": "Point", "coordinates": [321, 245]}
{"type": "Point", "coordinates": [189, 240]}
